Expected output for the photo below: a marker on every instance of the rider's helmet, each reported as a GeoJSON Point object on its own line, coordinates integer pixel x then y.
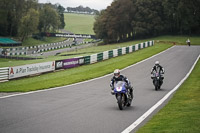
{"type": "Point", "coordinates": [157, 63]}
{"type": "Point", "coordinates": [117, 73]}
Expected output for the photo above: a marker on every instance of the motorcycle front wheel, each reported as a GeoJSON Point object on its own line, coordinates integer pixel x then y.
{"type": "Point", "coordinates": [120, 101]}
{"type": "Point", "coordinates": [156, 85]}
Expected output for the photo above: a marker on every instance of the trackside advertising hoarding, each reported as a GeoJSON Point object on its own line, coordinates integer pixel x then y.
{"type": "Point", "coordinates": [69, 63]}
{"type": "Point", "coordinates": [25, 70]}
{"type": "Point", "coordinates": [69, 35]}
{"type": "Point", "coordinates": [59, 64]}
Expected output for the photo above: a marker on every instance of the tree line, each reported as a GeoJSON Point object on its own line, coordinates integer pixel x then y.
{"type": "Point", "coordinates": [131, 19]}
{"type": "Point", "coordinates": [22, 18]}
{"type": "Point", "coordinates": [82, 9]}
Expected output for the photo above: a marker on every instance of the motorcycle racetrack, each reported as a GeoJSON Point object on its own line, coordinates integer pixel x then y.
{"type": "Point", "coordinates": [88, 107]}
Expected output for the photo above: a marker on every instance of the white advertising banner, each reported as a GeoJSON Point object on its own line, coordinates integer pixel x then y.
{"type": "Point", "coordinates": [25, 70]}
{"type": "Point", "coordinates": [93, 58]}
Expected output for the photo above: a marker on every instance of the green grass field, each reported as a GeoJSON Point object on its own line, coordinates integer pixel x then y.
{"type": "Point", "coordinates": [46, 40]}
{"type": "Point", "coordinates": [78, 74]}
{"type": "Point", "coordinates": [180, 40]}
{"type": "Point", "coordinates": [79, 23]}
{"type": "Point", "coordinates": [182, 113]}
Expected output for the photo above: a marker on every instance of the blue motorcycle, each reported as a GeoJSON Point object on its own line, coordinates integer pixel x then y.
{"type": "Point", "coordinates": [122, 94]}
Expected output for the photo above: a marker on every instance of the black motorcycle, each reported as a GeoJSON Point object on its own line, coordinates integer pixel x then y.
{"type": "Point", "coordinates": [157, 80]}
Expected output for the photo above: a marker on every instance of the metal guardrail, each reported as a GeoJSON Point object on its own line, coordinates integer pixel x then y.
{"type": "Point", "coordinates": [4, 74]}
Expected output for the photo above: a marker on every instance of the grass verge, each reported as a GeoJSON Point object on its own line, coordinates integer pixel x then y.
{"type": "Point", "coordinates": [46, 40]}
{"type": "Point", "coordinates": [180, 40]}
{"type": "Point", "coordinates": [182, 113]}
{"type": "Point", "coordinates": [78, 74]}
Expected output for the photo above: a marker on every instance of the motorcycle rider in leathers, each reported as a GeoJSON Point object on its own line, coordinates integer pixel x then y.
{"type": "Point", "coordinates": [158, 68]}
{"type": "Point", "coordinates": [118, 77]}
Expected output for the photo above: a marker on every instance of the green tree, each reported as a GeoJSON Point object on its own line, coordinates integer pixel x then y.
{"type": "Point", "coordinates": [29, 24]}
{"type": "Point", "coordinates": [61, 10]}
{"type": "Point", "coordinates": [148, 19]}
{"type": "Point", "coordinates": [49, 19]}
{"type": "Point", "coordinates": [114, 23]}
{"type": "Point", "coordinates": [100, 26]}
{"type": "Point", "coordinates": [11, 12]}
{"type": "Point", "coordinates": [182, 16]}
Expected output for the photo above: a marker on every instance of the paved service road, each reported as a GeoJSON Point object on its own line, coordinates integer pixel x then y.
{"type": "Point", "coordinates": [89, 107]}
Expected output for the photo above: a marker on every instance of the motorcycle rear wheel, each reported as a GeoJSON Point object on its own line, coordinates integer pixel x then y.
{"type": "Point", "coordinates": [129, 103]}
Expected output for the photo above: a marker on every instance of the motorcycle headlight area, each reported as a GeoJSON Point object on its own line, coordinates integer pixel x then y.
{"type": "Point", "coordinates": [119, 88]}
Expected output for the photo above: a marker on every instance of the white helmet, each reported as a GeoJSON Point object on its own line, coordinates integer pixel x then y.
{"type": "Point", "coordinates": [157, 63]}
{"type": "Point", "coordinates": [117, 73]}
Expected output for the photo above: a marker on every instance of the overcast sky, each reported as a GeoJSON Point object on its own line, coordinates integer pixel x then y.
{"type": "Point", "coordinates": [93, 4]}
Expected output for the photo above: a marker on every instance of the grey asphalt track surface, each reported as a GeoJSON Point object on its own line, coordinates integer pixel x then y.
{"type": "Point", "coordinates": [54, 52]}
{"type": "Point", "coordinates": [89, 107]}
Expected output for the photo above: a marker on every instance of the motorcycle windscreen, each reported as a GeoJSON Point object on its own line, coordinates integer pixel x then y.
{"type": "Point", "coordinates": [119, 86]}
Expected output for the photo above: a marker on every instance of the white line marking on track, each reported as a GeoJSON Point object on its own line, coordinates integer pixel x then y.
{"type": "Point", "coordinates": [83, 81]}
{"type": "Point", "coordinates": [146, 114]}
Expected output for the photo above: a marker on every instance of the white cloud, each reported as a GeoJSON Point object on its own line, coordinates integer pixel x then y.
{"type": "Point", "coordinates": [94, 4]}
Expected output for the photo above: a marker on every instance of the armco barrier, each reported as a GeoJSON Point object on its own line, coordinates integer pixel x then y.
{"type": "Point", "coordinates": [110, 53]}
{"type": "Point", "coordinates": [4, 74]}
{"type": "Point", "coordinates": [114, 53]}
{"type": "Point", "coordinates": [86, 60]}
{"type": "Point", "coordinates": [93, 58]}
{"type": "Point", "coordinates": [105, 55]}
{"type": "Point", "coordinates": [35, 49]}
{"type": "Point", "coordinates": [124, 50]}
{"type": "Point", "coordinates": [119, 52]}
{"type": "Point", "coordinates": [139, 46]}
{"type": "Point", "coordinates": [99, 57]}
{"type": "Point", "coordinates": [127, 50]}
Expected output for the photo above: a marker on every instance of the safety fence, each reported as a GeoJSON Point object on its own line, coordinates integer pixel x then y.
{"type": "Point", "coordinates": [38, 68]}
{"type": "Point", "coordinates": [36, 49]}
{"type": "Point", "coordinates": [4, 74]}
{"type": "Point", "coordinates": [40, 48]}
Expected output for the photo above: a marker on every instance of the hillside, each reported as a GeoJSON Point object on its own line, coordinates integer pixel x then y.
{"type": "Point", "coordinates": [79, 23]}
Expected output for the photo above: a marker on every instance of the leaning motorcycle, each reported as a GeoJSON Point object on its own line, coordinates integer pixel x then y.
{"type": "Point", "coordinates": [122, 94]}
{"type": "Point", "coordinates": [157, 80]}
